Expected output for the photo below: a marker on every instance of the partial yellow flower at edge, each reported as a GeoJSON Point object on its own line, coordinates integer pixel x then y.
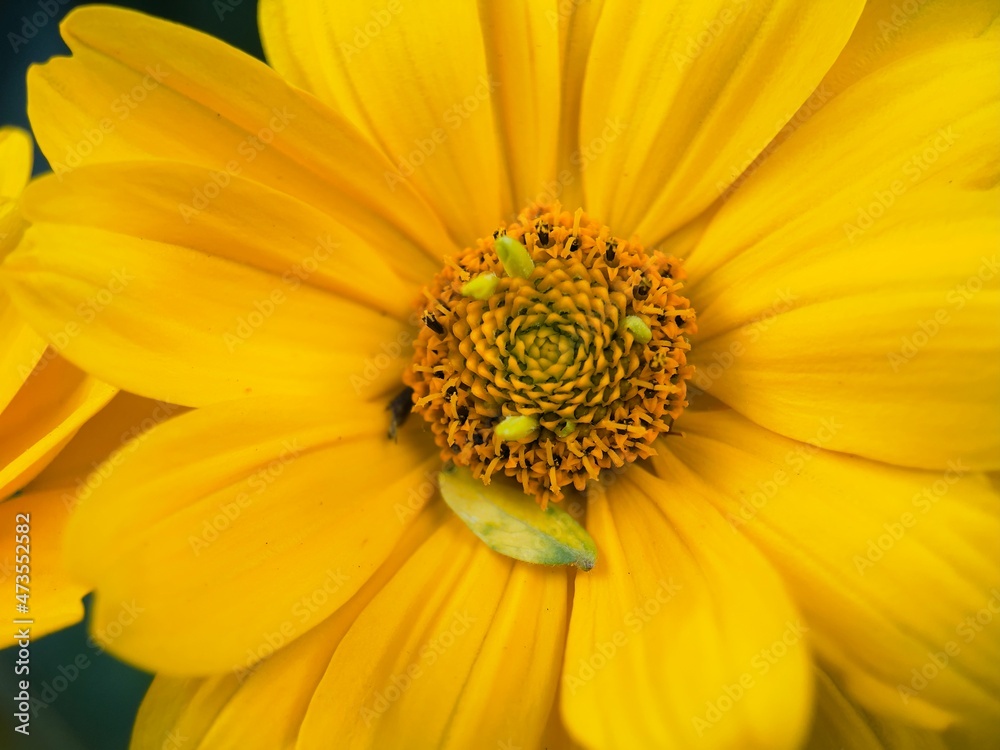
{"type": "Point", "coordinates": [42, 509]}
{"type": "Point", "coordinates": [50, 438]}
{"type": "Point", "coordinates": [20, 346]}
{"type": "Point", "coordinates": [43, 398]}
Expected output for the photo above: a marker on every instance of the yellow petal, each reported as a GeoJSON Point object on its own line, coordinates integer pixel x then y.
{"type": "Point", "coordinates": [875, 270]}
{"type": "Point", "coordinates": [257, 519]}
{"type": "Point", "coordinates": [898, 344]}
{"type": "Point", "coordinates": [680, 96]}
{"type": "Point", "coordinates": [244, 222]}
{"type": "Point", "coordinates": [31, 529]}
{"type": "Point", "coordinates": [55, 599]}
{"type": "Point", "coordinates": [841, 724]}
{"type": "Point", "coordinates": [483, 94]}
{"type": "Point", "coordinates": [522, 55]}
{"type": "Point", "coordinates": [20, 346]}
{"type": "Point", "coordinates": [20, 349]}
{"type": "Point", "coordinates": [871, 150]}
{"type": "Point", "coordinates": [16, 155]}
{"type": "Point", "coordinates": [889, 31]}
{"type": "Point", "coordinates": [682, 636]}
{"type": "Point", "coordinates": [170, 321]}
{"type": "Point", "coordinates": [137, 88]}
{"type": "Point", "coordinates": [461, 649]}
{"type": "Point", "coordinates": [223, 711]}
{"type": "Point", "coordinates": [108, 437]}
{"type": "Point", "coordinates": [55, 400]}
{"type": "Point", "coordinates": [576, 23]}
{"type": "Point", "coordinates": [180, 710]}
{"type": "Point", "coordinates": [888, 565]}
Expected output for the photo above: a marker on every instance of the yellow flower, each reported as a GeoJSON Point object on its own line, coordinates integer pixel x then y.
{"type": "Point", "coordinates": [43, 398]}
{"type": "Point", "coordinates": [57, 425]}
{"type": "Point", "coordinates": [44, 401]}
{"type": "Point", "coordinates": [811, 563]}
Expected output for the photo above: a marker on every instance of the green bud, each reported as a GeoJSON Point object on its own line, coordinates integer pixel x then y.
{"type": "Point", "coordinates": [517, 428]}
{"type": "Point", "coordinates": [639, 329]}
{"type": "Point", "coordinates": [481, 286]}
{"type": "Point", "coordinates": [514, 256]}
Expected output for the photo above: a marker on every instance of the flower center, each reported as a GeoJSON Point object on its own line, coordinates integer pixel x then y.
{"type": "Point", "coordinates": [551, 351]}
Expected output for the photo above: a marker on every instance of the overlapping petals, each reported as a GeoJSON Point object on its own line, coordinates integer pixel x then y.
{"type": "Point", "coordinates": [835, 184]}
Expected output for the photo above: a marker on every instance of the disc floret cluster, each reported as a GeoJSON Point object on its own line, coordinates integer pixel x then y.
{"type": "Point", "coordinates": [552, 351]}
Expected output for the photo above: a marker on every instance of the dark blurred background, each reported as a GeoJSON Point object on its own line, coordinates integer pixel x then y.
{"type": "Point", "coordinates": [235, 21]}
{"type": "Point", "coordinates": [96, 710]}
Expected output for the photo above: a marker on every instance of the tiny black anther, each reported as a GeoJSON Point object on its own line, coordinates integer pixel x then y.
{"type": "Point", "coordinates": [463, 414]}
{"type": "Point", "coordinates": [504, 451]}
{"type": "Point", "coordinates": [477, 438]}
{"type": "Point", "coordinates": [455, 448]}
{"type": "Point", "coordinates": [451, 391]}
{"type": "Point", "coordinates": [431, 322]}
{"type": "Point", "coordinates": [543, 234]}
{"type": "Point", "coordinates": [641, 290]}
{"type": "Point", "coordinates": [609, 254]}
{"type": "Point", "coordinates": [439, 374]}
{"type": "Point", "coordinates": [557, 461]}
{"type": "Point", "coordinates": [679, 321]}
